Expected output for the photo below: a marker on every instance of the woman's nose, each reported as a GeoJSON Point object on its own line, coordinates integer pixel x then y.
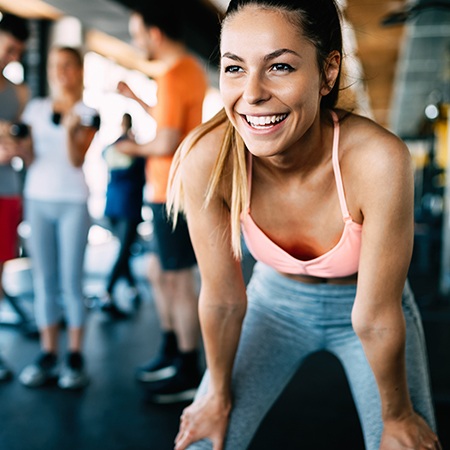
{"type": "Point", "coordinates": [255, 90]}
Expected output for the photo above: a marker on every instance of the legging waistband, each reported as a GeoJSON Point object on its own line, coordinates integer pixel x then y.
{"type": "Point", "coordinates": [270, 277]}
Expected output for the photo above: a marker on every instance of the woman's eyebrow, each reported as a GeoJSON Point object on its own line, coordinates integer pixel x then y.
{"type": "Point", "coordinates": [280, 52]}
{"type": "Point", "coordinates": [232, 56]}
{"type": "Point", "coordinates": [268, 57]}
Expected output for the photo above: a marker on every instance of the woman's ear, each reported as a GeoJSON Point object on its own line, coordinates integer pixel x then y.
{"type": "Point", "coordinates": [330, 72]}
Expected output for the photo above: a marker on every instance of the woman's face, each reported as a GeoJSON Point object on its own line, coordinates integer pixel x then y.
{"type": "Point", "coordinates": [270, 80]}
{"type": "Point", "coordinates": [64, 70]}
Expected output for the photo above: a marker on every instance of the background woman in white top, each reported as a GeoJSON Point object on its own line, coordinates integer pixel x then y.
{"type": "Point", "coordinates": [56, 208]}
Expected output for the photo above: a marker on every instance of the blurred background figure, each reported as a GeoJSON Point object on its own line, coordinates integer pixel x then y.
{"type": "Point", "coordinates": [56, 194]}
{"type": "Point", "coordinates": [13, 36]}
{"type": "Point", "coordinates": [123, 209]}
{"type": "Point", "coordinates": [173, 374]}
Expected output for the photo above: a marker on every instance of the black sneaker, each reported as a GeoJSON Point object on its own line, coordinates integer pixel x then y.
{"type": "Point", "coordinates": [135, 297]}
{"type": "Point", "coordinates": [159, 368]}
{"type": "Point", "coordinates": [113, 311]}
{"type": "Point", "coordinates": [182, 387]}
{"type": "Point", "coordinates": [5, 371]}
{"type": "Point", "coordinates": [73, 374]}
{"type": "Point", "coordinates": [43, 370]}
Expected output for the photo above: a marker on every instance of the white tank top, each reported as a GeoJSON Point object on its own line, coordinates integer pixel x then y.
{"type": "Point", "coordinates": [51, 176]}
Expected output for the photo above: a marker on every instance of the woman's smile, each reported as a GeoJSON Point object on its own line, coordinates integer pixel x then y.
{"type": "Point", "coordinates": [265, 123]}
{"type": "Point", "coordinates": [261, 122]}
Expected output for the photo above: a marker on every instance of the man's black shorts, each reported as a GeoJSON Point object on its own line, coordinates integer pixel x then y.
{"type": "Point", "coordinates": [173, 246]}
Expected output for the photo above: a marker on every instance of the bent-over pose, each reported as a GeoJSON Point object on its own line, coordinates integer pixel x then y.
{"type": "Point", "coordinates": [325, 201]}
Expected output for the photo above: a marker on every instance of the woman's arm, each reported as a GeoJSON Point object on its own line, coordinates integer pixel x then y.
{"type": "Point", "coordinates": [386, 194]}
{"type": "Point", "coordinates": [79, 138]}
{"type": "Point", "coordinates": [222, 303]}
{"type": "Point", "coordinates": [12, 145]}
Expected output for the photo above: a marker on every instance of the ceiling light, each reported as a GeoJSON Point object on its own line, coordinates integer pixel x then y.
{"type": "Point", "coordinates": [402, 16]}
{"type": "Point", "coordinates": [431, 112]}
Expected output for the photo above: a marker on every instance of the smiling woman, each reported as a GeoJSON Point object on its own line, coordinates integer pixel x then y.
{"type": "Point", "coordinates": [258, 84]}
{"type": "Point", "coordinates": [297, 175]}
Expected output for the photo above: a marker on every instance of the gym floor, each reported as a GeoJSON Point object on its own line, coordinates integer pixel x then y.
{"type": "Point", "coordinates": [315, 412]}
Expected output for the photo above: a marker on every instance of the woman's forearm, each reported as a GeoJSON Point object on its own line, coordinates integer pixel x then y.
{"type": "Point", "coordinates": [384, 345]}
{"type": "Point", "coordinates": [78, 142]}
{"type": "Point", "coordinates": [221, 329]}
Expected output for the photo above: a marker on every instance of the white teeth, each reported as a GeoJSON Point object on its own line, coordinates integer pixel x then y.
{"type": "Point", "coordinates": [264, 121]}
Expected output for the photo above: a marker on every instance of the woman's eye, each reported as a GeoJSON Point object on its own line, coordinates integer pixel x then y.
{"type": "Point", "coordinates": [281, 67]}
{"type": "Point", "coordinates": [232, 69]}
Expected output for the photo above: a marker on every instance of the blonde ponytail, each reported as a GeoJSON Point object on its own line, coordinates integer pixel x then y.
{"type": "Point", "coordinates": [232, 151]}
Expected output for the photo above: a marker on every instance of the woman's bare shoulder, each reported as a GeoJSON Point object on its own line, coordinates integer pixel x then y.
{"type": "Point", "coordinates": [377, 162]}
{"type": "Point", "coordinates": [366, 143]}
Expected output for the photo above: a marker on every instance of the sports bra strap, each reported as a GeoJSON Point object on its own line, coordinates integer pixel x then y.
{"type": "Point", "coordinates": [337, 169]}
{"type": "Point", "coordinates": [249, 179]}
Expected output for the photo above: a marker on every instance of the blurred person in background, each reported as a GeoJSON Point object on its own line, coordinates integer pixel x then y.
{"type": "Point", "coordinates": [56, 193]}
{"type": "Point", "coordinates": [173, 374]}
{"type": "Point", "coordinates": [13, 36]}
{"type": "Point", "coordinates": [123, 209]}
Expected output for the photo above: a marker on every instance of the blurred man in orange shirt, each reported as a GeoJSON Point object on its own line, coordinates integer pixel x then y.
{"type": "Point", "coordinates": [173, 375]}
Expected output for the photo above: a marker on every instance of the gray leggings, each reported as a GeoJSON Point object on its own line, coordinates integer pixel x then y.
{"type": "Point", "coordinates": [285, 322]}
{"type": "Point", "coordinates": [57, 246]}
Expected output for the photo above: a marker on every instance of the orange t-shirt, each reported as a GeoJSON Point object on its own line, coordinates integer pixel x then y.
{"type": "Point", "coordinates": [180, 95]}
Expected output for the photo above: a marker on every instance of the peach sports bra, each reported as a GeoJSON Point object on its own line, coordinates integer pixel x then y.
{"type": "Point", "coordinates": [341, 261]}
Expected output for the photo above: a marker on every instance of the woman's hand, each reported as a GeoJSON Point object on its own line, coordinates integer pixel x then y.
{"type": "Point", "coordinates": [79, 137]}
{"type": "Point", "coordinates": [410, 433]}
{"type": "Point", "coordinates": [71, 121]}
{"type": "Point", "coordinates": [205, 418]}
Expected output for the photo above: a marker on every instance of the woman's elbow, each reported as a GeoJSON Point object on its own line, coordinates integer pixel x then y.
{"type": "Point", "coordinates": [225, 308]}
{"type": "Point", "coordinates": [362, 327]}
{"type": "Point", "coordinates": [371, 324]}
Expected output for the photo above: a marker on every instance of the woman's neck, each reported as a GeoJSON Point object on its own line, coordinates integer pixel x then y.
{"type": "Point", "coordinates": [65, 100]}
